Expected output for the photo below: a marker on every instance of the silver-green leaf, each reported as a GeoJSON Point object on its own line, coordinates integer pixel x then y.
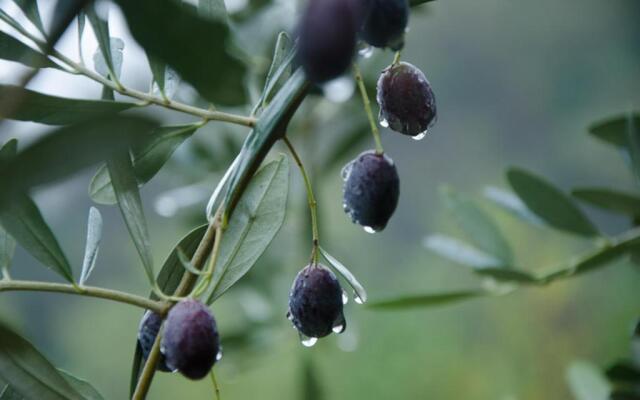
{"type": "Point", "coordinates": [360, 293]}
{"type": "Point", "coordinates": [94, 235]}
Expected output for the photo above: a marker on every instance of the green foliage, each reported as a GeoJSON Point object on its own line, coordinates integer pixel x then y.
{"type": "Point", "coordinates": [586, 382]}
{"type": "Point", "coordinates": [94, 235]}
{"type": "Point", "coordinates": [428, 300]}
{"type": "Point", "coordinates": [12, 49]}
{"type": "Point", "coordinates": [611, 200]}
{"type": "Point", "coordinates": [614, 130]}
{"type": "Point", "coordinates": [358, 289]}
{"type": "Point", "coordinates": [257, 219]}
{"type": "Point", "coordinates": [30, 9]}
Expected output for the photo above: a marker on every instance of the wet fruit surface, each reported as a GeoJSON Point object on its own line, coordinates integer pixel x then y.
{"type": "Point", "coordinates": [385, 22]}
{"type": "Point", "coordinates": [327, 38]}
{"type": "Point", "coordinates": [371, 190]}
{"type": "Point", "coordinates": [190, 341]}
{"type": "Point", "coordinates": [147, 332]}
{"type": "Point", "coordinates": [316, 303]}
{"type": "Point", "coordinates": [407, 103]}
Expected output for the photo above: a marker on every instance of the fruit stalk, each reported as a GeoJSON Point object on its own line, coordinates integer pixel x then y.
{"type": "Point", "coordinates": [367, 108]}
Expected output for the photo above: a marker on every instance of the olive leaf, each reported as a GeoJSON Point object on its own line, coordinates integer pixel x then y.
{"type": "Point", "coordinates": [614, 130]}
{"type": "Point", "coordinates": [512, 204]}
{"type": "Point", "coordinates": [549, 203]}
{"type": "Point", "coordinates": [256, 221]}
{"type": "Point", "coordinates": [360, 293]}
{"type": "Point", "coordinates": [428, 300]}
{"type": "Point", "coordinates": [29, 373]}
{"type": "Point", "coordinates": [610, 199]}
{"type": "Point", "coordinates": [280, 69]}
{"type": "Point", "coordinates": [94, 235]}
{"type": "Point", "coordinates": [12, 49]}
{"type": "Point", "coordinates": [30, 9]}
{"type": "Point", "coordinates": [101, 30]}
{"type": "Point", "coordinates": [460, 252]}
{"type": "Point", "coordinates": [100, 63]}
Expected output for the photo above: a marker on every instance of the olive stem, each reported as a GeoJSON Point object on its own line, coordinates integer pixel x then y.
{"type": "Point", "coordinates": [367, 108]}
{"type": "Point", "coordinates": [211, 267]}
{"type": "Point", "coordinates": [149, 369]}
{"type": "Point", "coordinates": [80, 69]}
{"type": "Point", "coordinates": [396, 57]}
{"type": "Point", "coordinates": [214, 381]}
{"type": "Point", "coordinates": [88, 291]}
{"type": "Point", "coordinates": [313, 205]}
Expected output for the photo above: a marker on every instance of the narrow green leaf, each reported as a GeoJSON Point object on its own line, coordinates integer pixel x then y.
{"type": "Point", "coordinates": [270, 127]}
{"type": "Point", "coordinates": [512, 204]}
{"type": "Point", "coordinates": [11, 49]}
{"type": "Point", "coordinates": [94, 235]}
{"type": "Point", "coordinates": [148, 158]}
{"type": "Point", "coordinates": [614, 130]}
{"type": "Point", "coordinates": [50, 158]}
{"type": "Point", "coordinates": [610, 199]}
{"type": "Point", "coordinates": [30, 9]}
{"type": "Point", "coordinates": [101, 30]}
{"type": "Point", "coordinates": [280, 69]}
{"type": "Point", "coordinates": [23, 220]}
{"type": "Point", "coordinates": [213, 9]}
{"type": "Point", "coordinates": [633, 137]}
{"type": "Point", "coordinates": [83, 387]}
{"type": "Point", "coordinates": [54, 110]}
{"type": "Point", "coordinates": [158, 71]}
{"type": "Point", "coordinates": [311, 388]}
{"type": "Point", "coordinates": [125, 187]}
{"type": "Point", "coordinates": [168, 280]}
{"type": "Point", "coordinates": [186, 263]}
{"type": "Point", "coordinates": [257, 220]}
{"type": "Point", "coordinates": [29, 373]}
{"type": "Point", "coordinates": [478, 226]}
{"type": "Point", "coordinates": [429, 300]}
{"type": "Point", "coordinates": [460, 252]}
{"type": "Point", "coordinates": [549, 203]}
{"type": "Point", "coordinates": [7, 393]}
{"type": "Point", "coordinates": [82, 19]}
{"type": "Point", "coordinates": [208, 43]}
{"type": "Point", "coordinates": [415, 3]}
{"type": "Point", "coordinates": [7, 249]}
{"type": "Point", "coordinates": [360, 293]}
{"type": "Point", "coordinates": [587, 382]}
{"type": "Point", "coordinates": [508, 275]}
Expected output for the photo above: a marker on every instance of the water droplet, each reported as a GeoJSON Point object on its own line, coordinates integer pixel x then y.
{"type": "Point", "coordinates": [365, 51]}
{"type": "Point", "coordinates": [338, 328]}
{"type": "Point", "coordinates": [345, 298]}
{"type": "Point", "coordinates": [383, 122]}
{"type": "Point", "coordinates": [357, 298]}
{"type": "Point", "coordinates": [289, 316]}
{"type": "Point", "coordinates": [369, 229]}
{"type": "Point", "coordinates": [419, 136]}
{"type": "Point", "coordinates": [308, 341]}
{"type": "Point", "coordinates": [219, 355]}
{"type": "Point", "coordinates": [346, 170]}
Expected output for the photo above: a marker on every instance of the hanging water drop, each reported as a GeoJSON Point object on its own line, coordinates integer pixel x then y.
{"type": "Point", "coordinates": [219, 355]}
{"type": "Point", "coordinates": [369, 229]}
{"type": "Point", "coordinates": [383, 122]}
{"type": "Point", "coordinates": [345, 298]}
{"type": "Point", "coordinates": [308, 341]}
{"type": "Point", "coordinates": [289, 316]}
{"type": "Point", "coordinates": [338, 328]}
{"type": "Point", "coordinates": [365, 51]}
{"type": "Point", "coordinates": [419, 136]}
{"type": "Point", "coordinates": [357, 298]}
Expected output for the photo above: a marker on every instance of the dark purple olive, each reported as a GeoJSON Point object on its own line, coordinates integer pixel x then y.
{"type": "Point", "coordinates": [407, 103]}
{"type": "Point", "coordinates": [190, 341]}
{"type": "Point", "coordinates": [147, 332]}
{"type": "Point", "coordinates": [385, 22]}
{"type": "Point", "coordinates": [327, 38]}
{"type": "Point", "coordinates": [315, 303]}
{"type": "Point", "coordinates": [371, 190]}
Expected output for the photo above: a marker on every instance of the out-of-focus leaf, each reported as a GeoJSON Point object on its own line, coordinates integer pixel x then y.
{"type": "Point", "coordinates": [30, 9]}
{"type": "Point", "coordinates": [29, 373]}
{"type": "Point", "coordinates": [22, 219]}
{"type": "Point", "coordinates": [311, 388]}
{"type": "Point", "coordinates": [414, 3]}
{"type": "Point", "coordinates": [280, 68]}
{"type": "Point", "coordinates": [168, 281]}
{"type": "Point", "coordinates": [207, 50]}
{"type": "Point", "coordinates": [512, 204]}
{"type": "Point", "coordinates": [428, 300]}
{"type": "Point", "coordinates": [478, 226]}
{"type": "Point", "coordinates": [460, 252]}
{"type": "Point", "coordinates": [609, 199]}
{"type": "Point", "coordinates": [83, 387]}
{"type": "Point", "coordinates": [587, 382]}
{"type": "Point", "coordinates": [158, 71]}
{"type": "Point", "coordinates": [508, 275]}
{"type": "Point", "coordinates": [7, 249]}
{"type": "Point", "coordinates": [126, 189]}
{"type": "Point", "coordinates": [67, 150]}
{"type": "Point", "coordinates": [258, 218]}
{"type": "Point", "coordinates": [633, 137]}
{"type": "Point", "coordinates": [624, 372]}
{"type": "Point", "coordinates": [550, 203]}
{"type": "Point", "coordinates": [614, 130]}
{"type": "Point", "coordinates": [360, 293]}
{"type": "Point", "coordinates": [94, 235]}
{"type": "Point", "coordinates": [213, 9]}
{"type": "Point", "coordinates": [148, 159]}
{"type": "Point", "coordinates": [101, 29]}
{"type": "Point", "coordinates": [100, 64]}
{"type": "Point", "coordinates": [270, 127]}
{"type": "Point", "coordinates": [53, 110]}
{"type": "Point", "coordinates": [63, 14]}
{"type": "Point", "coordinates": [355, 134]}
{"type": "Point", "coordinates": [82, 19]}
{"type": "Point", "coordinates": [11, 49]}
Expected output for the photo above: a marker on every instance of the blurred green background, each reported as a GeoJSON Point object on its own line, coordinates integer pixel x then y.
{"type": "Point", "coordinates": [516, 84]}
